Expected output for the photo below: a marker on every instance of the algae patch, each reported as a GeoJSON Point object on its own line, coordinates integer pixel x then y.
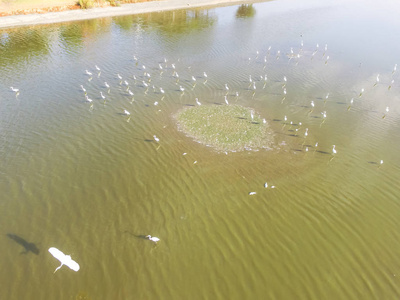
{"type": "Point", "coordinates": [225, 127]}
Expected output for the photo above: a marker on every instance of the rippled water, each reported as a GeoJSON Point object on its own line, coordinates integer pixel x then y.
{"type": "Point", "coordinates": [91, 181]}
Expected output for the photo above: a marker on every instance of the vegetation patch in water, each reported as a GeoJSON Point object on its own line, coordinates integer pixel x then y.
{"type": "Point", "coordinates": [225, 127]}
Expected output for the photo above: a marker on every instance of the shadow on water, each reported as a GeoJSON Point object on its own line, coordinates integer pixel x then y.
{"type": "Point", "coordinates": [29, 247]}
{"type": "Point", "coordinates": [139, 236]}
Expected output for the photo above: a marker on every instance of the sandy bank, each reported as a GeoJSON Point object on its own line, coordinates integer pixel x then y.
{"type": "Point", "coordinates": [126, 9]}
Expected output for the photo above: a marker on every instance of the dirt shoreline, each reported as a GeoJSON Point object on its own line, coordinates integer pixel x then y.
{"type": "Point", "coordinates": [68, 15]}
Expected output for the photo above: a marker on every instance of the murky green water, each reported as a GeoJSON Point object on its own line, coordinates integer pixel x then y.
{"type": "Point", "coordinates": [85, 178]}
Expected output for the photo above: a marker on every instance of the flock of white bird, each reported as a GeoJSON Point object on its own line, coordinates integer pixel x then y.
{"type": "Point", "coordinates": [144, 81]}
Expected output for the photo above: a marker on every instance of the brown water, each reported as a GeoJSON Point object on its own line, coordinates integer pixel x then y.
{"type": "Point", "coordinates": [90, 181]}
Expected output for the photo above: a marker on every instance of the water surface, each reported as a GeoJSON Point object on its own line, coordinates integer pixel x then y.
{"type": "Point", "coordinates": [91, 181]}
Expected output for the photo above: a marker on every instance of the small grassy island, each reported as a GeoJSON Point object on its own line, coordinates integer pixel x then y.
{"type": "Point", "coordinates": [225, 127]}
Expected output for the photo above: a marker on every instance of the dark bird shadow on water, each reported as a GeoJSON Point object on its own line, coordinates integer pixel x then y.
{"type": "Point", "coordinates": [139, 236]}
{"type": "Point", "coordinates": [323, 152]}
{"type": "Point", "coordinates": [29, 247]}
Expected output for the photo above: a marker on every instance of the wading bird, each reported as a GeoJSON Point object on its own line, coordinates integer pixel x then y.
{"type": "Point", "coordinates": [153, 238]}
{"type": "Point", "coordinates": [64, 259]}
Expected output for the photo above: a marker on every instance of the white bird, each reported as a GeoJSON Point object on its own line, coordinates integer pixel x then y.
{"type": "Point", "coordinates": [361, 92]}
{"type": "Point", "coordinates": [126, 112]}
{"type": "Point", "coordinates": [182, 88]}
{"type": "Point", "coordinates": [226, 87]}
{"type": "Point", "coordinates": [130, 92]}
{"type": "Point", "coordinates": [106, 85]}
{"type": "Point", "coordinates": [97, 68]}
{"type": "Point", "coordinates": [153, 238]}
{"type": "Point", "coordinates": [88, 99]}
{"type": "Point", "coordinates": [162, 91]}
{"type": "Point", "coordinates": [14, 89]}
{"type": "Point", "coordinates": [83, 89]}
{"type": "Point", "coordinates": [102, 96]}
{"type": "Point", "coordinates": [306, 133]}
{"type": "Point", "coordinates": [198, 102]}
{"type": "Point", "coordinates": [119, 76]}
{"type": "Point", "coordinates": [205, 74]}
{"type": "Point", "coordinates": [156, 103]}
{"type": "Point", "coordinates": [395, 68]}
{"type": "Point", "coordinates": [64, 259]}
{"type": "Point", "coordinates": [88, 73]}
{"type": "Point", "coordinates": [334, 150]}
{"type": "Point", "coordinates": [145, 84]}
{"type": "Point", "coordinates": [226, 101]}
{"type": "Point", "coordinates": [126, 83]}
{"type": "Point", "coordinates": [156, 138]}
{"type": "Point", "coordinates": [312, 104]}
{"type": "Point", "coordinates": [193, 78]}
{"type": "Point", "coordinates": [252, 115]}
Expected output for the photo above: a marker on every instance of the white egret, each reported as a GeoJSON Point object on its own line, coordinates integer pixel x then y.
{"type": "Point", "coordinates": [394, 69]}
{"type": "Point", "coordinates": [130, 92]}
{"type": "Point", "coordinates": [102, 96]}
{"type": "Point", "coordinates": [327, 58]}
{"type": "Point", "coordinates": [14, 89]}
{"type": "Point", "coordinates": [312, 104]}
{"type": "Point", "coordinates": [173, 66]}
{"type": "Point", "coordinates": [127, 113]}
{"type": "Point", "coordinates": [226, 87]}
{"type": "Point", "coordinates": [97, 68]}
{"type": "Point", "coordinates": [306, 133]}
{"type": "Point", "coordinates": [226, 100]}
{"type": "Point", "coordinates": [361, 92]}
{"type": "Point", "coordinates": [83, 89]}
{"type": "Point", "coordinates": [106, 85]}
{"type": "Point", "coordinates": [156, 103]}
{"type": "Point", "coordinates": [64, 259]}
{"type": "Point", "coordinates": [156, 138]}
{"type": "Point", "coordinates": [266, 185]}
{"type": "Point", "coordinates": [205, 74]}
{"type": "Point", "coordinates": [182, 89]}
{"type": "Point", "coordinates": [334, 149]}
{"type": "Point", "coordinates": [119, 76]}
{"type": "Point", "coordinates": [252, 115]}
{"type": "Point", "coordinates": [88, 73]}
{"type": "Point", "coordinates": [153, 238]}
{"type": "Point", "coordinates": [126, 83]}
{"type": "Point", "coordinates": [264, 121]}
{"type": "Point", "coordinates": [88, 99]}
{"type": "Point", "coordinates": [198, 102]}
{"type": "Point", "coordinates": [161, 90]}
{"type": "Point", "coordinates": [193, 78]}
{"type": "Point", "coordinates": [252, 193]}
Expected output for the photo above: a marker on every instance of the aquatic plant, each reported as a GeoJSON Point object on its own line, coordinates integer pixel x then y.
{"type": "Point", "coordinates": [225, 127]}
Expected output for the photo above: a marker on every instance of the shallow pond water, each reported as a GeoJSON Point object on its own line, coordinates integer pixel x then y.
{"type": "Point", "coordinates": [92, 181]}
